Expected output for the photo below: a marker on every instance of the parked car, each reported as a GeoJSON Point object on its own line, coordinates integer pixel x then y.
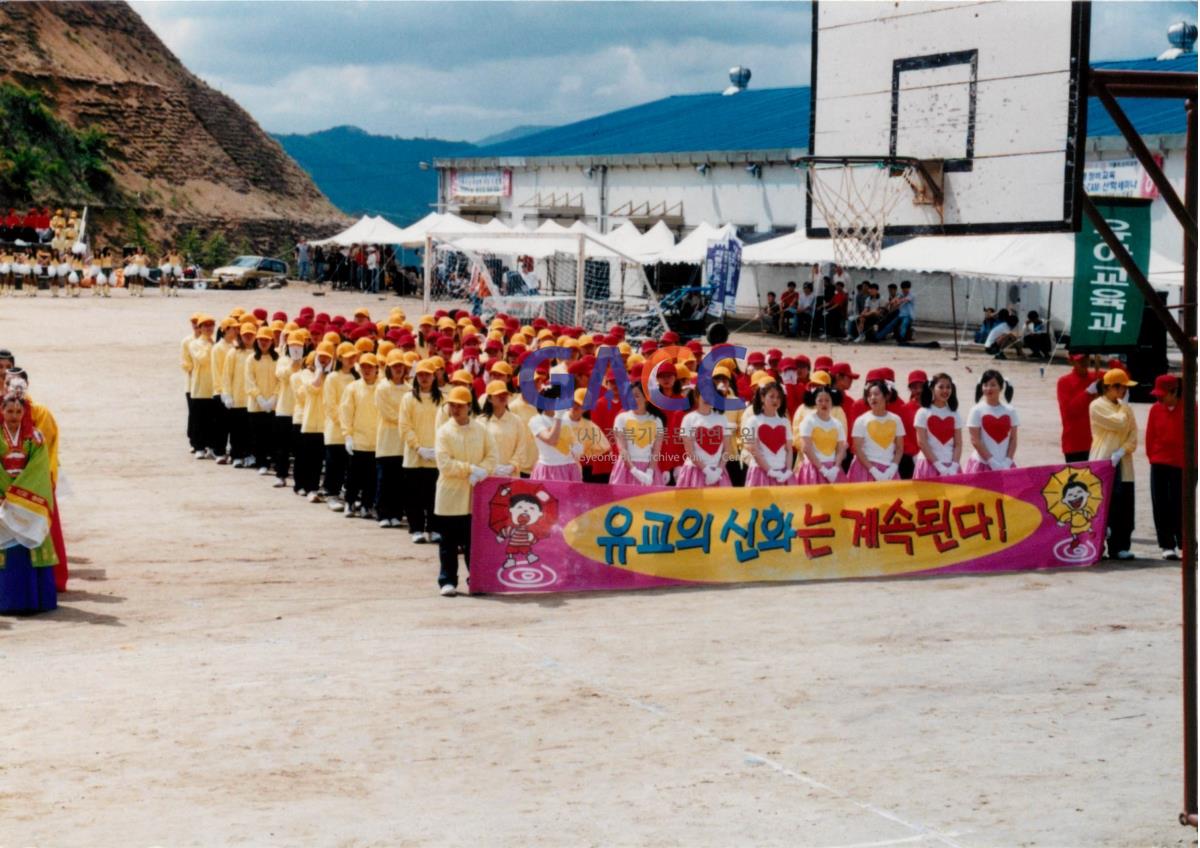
{"type": "Point", "coordinates": [250, 272]}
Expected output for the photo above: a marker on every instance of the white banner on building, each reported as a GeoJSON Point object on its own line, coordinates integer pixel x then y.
{"type": "Point", "coordinates": [496, 183]}
{"type": "Point", "coordinates": [1119, 178]}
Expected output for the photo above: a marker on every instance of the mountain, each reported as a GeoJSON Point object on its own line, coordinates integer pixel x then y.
{"type": "Point", "coordinates": [373, 174]}
{"type": "Point", "coordinates": [514, 133]}
{"type": "Point", "coordinates": [95, 79]}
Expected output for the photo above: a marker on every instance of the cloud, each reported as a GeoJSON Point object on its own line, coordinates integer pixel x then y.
{"type": "Point", "coordinates": [467, 70]}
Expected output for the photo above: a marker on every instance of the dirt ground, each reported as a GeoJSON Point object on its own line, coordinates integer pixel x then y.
{"type": "Point", "coordinates": [234, 666]}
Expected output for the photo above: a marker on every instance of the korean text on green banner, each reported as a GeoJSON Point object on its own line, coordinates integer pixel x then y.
{"type": "Point", "coordinates": [1107, 306]}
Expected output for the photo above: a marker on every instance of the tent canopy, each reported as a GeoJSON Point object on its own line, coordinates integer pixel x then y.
{"type": "Point", "coordinates": [693, 249]}
{"type": "Point", "coordinates": [791, 249]}
{"type": "Point", "coordinates": [366, 230]}
{"type": "Point", "coordinates": [433, 224]}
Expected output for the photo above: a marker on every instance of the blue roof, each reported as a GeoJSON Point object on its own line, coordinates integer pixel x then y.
{"type": "Point", "coordinates": [771, 119]}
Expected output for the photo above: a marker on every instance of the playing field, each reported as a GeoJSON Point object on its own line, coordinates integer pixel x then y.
{"type": "Point", "coordinates": [235, 666]}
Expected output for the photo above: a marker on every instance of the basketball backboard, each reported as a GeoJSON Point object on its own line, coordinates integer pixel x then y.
{"type": "Point", "coordinates": [988, 94]}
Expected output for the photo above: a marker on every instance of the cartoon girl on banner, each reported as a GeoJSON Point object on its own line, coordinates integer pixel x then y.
{"type": "Point", "coordinates": [1073, 496]}
{"type": "Point", "coordinates": [521, 514]}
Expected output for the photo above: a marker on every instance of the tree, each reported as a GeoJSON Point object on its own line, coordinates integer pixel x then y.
{"type": "Point", "coordinates": [215, 251]}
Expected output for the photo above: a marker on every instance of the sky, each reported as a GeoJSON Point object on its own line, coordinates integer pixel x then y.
{"type": "Point", "coordinates": [466, 70]}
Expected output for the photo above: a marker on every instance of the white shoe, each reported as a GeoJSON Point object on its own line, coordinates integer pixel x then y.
{"type": "Point", "coordinates": [860, 339]}
{"type": "Point", "coordinates": [435, 537]}
{"type": "Point", "coordinates": [209, 453]}
{"type": "Point", "coordinates": [335, 505]}
{"type": "Point", "coordinates": [419, 538]}
{"type": "Point", "coordinates": [223, 459]}
{"type": "Point", "coordinates": [351, 512]}
{"type": "Point", "coordinates": [395, 522]}
{"type": "Point", "coordinates": [280, 483]}
{"type": "Point", "coordinates": [264, 471]}
{"type": "Point", "coordinates": [385, 523]}
{"type": "Point", "coordinates": [315, 497]}
{"type": "Point", "coordinates": [248, 462]}
{"type": "Point", "coordinates": [448, 591]}
{"type": "Point", "coordinates": [237, 463]}
{"type": "Point", "coordinates": [1125, 555]}
{"type": "Point", "coordinates": [200, 455]}
{"type": "Point", "coordinates": [1169, 553]}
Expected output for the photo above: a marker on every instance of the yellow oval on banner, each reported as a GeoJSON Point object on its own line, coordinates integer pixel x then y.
{"type": "Point", "coordinates": [733, 535]}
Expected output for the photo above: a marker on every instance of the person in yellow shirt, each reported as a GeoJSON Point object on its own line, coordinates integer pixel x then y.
{"type": "Point", "coordinates": [466, 454]}
{"type": "Point", "coordinates": [1115, 438]}
{"type": "Point", "coordinates": [389, 446]}
{"type": "Point", "coordinates": [285, 405]}
{"type": "Point", "coordinates": [310, 447]}
{"type": "Point", "coordinates": [336, 457]}
{"type": "Point", "coordinates": [201, 388]}
{"type": "Point", "coordinates": [418, 417]}
{"type": "Point", "coordinates": [233, 395]}
{"type": "Point", "coordinates": [262, 387]}
{"type": "Point", "coordinates": [195, 441]}
{"type": "Point", "coordinates": [515, 451]}
{"type": "Point", "coordinates": [360, 421]}
{"type": "Point", "coordinates": [220, 350]}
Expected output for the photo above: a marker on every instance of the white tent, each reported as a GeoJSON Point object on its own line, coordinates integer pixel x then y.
{"type": "Point", "coordinates": [496, 226]}
{"type": "Point", "coordinates": [645, 247]}
{"type": "Point", "coordinates": [791, 249]}
{"type": "Point", "coordinates": [657, 239]}
{"type": "Point", "coordinates": [1031, 257]}
{"type": "Point", "coordinates": [435, 223]}
{"type": "Point", "coordinates": [693, 249]}
{"type": "Point", "coordinates": [366, 230]}
{"type": "Point", "coordinates": [357, 226]}
{"type": "Point", "coordinates": [552, 227]}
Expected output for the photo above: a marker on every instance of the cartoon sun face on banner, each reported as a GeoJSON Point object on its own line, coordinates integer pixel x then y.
{"type": "Point", "coordinates": [1074, 497]}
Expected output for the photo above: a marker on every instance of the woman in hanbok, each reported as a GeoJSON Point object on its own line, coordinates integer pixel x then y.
{"type": "Point", "coordinates": [26, 503]}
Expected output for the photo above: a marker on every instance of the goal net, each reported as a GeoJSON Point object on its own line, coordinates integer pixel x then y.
{"type": "Point", "coordinates": [570, 279]}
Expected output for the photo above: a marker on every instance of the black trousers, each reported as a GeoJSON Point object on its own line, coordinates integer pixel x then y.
{"type": "Point", "coordinates": [737, 473]}
{"type": "Point", "coordinates": [456, 534]}
{"type": "Point", "coordinates": [281, 429]}
{"type": "Point", "coordinates": [262, 438]}
{"type": "Point", "coordinates": [335, 470]}
{"type": "Point", "coordinates": [195, 439]}
{"type": "Point", "coordinates": [1076, 456]}
{"type": "Point", "coordinates": [208, 427]}
{"type": "Point", "coordinates": [1166, 499]}
{"type": "Point", "coordinates": [420, 485]}
{"type": "Point", "coordinates": [590, 476]}
{"type": "Point", "coordinates": [360, 482]}
{"type": "Point", "coordinates": [220, 427]}
{"type": "Point", "coordinates": [239, 433]}
{"type": "Point", "coordinates": [1120, 516]}
{"type": "Point", "coordinates": [310, 450]}
{"type": "Point", "coordinates": [389, 488]}
{"type": "Point", "coordinates": [907, 466]}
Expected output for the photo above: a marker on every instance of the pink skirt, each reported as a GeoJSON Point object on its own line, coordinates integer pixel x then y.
{"type": "Point", "coordinates": [808, 475]}
{"type": "Point", "coordinates": [755, 476]}
{"type": "Point", "coordinates": [692, 477]}
{"type": "Point", "coordinates": [566, 473]}
{"type": "Point", "coordinates": [620, 475]}
{"type": "Point", "coordinates": [859, 474]}
{"type": "Point", "coordinates": [923, 469]}
{"type": "Point", "coordinates": [974, 465]}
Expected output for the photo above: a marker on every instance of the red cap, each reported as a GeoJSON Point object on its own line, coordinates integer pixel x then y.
{"type": "Point", "coordinates": [635, 373]}
{"type": "Point", "coordinates": [1077, 357]}
{"type": "Point", "coordinates": [279, 316]}
{"type": "Point", "coordinates": [774, 354]}
{"type": "Point", "coordinates": [875, 374]}
{"type": "Point", "coordinates": [1164, 383]}
{"type": "Point", "coordinates": [917, 376]}
{"type": "Point", "coordinates": [471, 341]}
{"type": "Point", "coordinates": [260, 314]}
{"type": "Point", "coordinates": [837, 369]}
{"type": "Point", "coordinates": [617, 330]}
{"type": "Point", "coordinates": [516, 350]}
{"type": "Point", "coordinates": [445, 344]}
{"type": "Point", "coordinates": [787, 364]}
{"type": "Point", "coordinates": [649, 346]}
{"type": "Point", "coordinates": [756, 358]}
{"type": "Point", "coordinates": [307, 310]}
{"type": "Point", "coordinates": [441, 313]}
{"type": "Point", "coordinates": [823, 363]}
{"type": "Point", "coordinates": [493, 344]}
{"type": "Point", "coordinates": [405, 339]}
{"type": "Point", "coordinates": [695, 347]}
{"type": "Point", "coordinates": [670, 337]}
{"type": "Point", "coordinates": [802, 360]}
{"type": "Point", "coordinates": [323, 317]}
{"type": "Point", "coordinates": [578, 368]}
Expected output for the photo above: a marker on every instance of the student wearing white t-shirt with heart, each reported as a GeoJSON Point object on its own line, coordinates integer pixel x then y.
{"type": "Point", "coordinates": [939, 430]}
{"type": "Point", "coordinates": [822, 438]}
{"type": "Point", "coordinates": [638, 434]}
{"type": "Point", "coordinates": [706, 444]}
{"type": "Point", "coordinates": [992, 424]}
{"type": "Point", "coordinates": [768, 439]}
{"type": "Point", "coordinates": [878, 437]}
{"type": "Point", "coordinates": [555, 441]}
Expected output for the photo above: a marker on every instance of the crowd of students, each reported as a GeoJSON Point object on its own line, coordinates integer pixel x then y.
{"type": "Point", "coordinates": [395, 421]}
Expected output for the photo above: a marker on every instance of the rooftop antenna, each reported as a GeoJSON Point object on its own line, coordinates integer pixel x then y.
{"type": "Point", "coordinates": [740, 77]}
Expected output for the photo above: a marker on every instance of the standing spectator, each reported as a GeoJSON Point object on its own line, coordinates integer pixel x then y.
{"type": "Point", "coordinates": [372, 264]}
{"type": "Point", "coordinates": [833, 315]}
{"type": "Point", "coordinates": [1076, 391]}
{"type": "Point", "coordinates": [1114, 437]}
{"type": "Point", "coordinates": [789, 302]}
{"type": "Point", "coordinates": [319, 264]}
{"type": "Point", "coordinates": [900, 320]}
{"type": "Point", "coordinates": [302, 259]}
{"type": "Point", "coordinates": [1164, 449]}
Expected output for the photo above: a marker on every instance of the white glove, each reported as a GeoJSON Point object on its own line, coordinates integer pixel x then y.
{"type": "Point", "coordinates": [504, 470]}
{"type": "Point", "coordinates": [644, 477]}
{"type": "Point", "coordinates": [563, 415]}
{"type": "Point", "coordinates": [1117, 456]}
{"type": "Point", "coordinates": [876, 473]}
{"type": "Point", "coordinates": [476, 474]}
{"type": "Point", "coordinates": [427, 453]}
{"type": "Point", "coordinates": [712, 475]}
{"type": "Point", "coordinates": [779, 474]}
{"type": "Point", "coordinates": [576, 450]}
{"type": "Point", "coordinates": [893, 471]}
{"type": "Point", "coordinates": [829, 473]}
{"type": "Point", "coordinates": [1094, 388]}
{"type": "Point", "coordinates": [1000, 463]}
{"type": "Point", "coordinates": [263, 402]}
{"type": "Point", "coordinates": [271, 404]}
{"type": "Point", "coordinates": [953, 468]}
{"type": "Point", "coordinates": [227, 400]}
{"type": "Point", "coordinates": [942, 467]}
{"type": "Point", "coordinates": [349, 444]}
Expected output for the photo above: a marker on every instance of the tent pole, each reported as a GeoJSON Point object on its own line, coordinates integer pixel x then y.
{"type": "Point", "coordinates": [954, 317]}
{"type": "Point", "coordinates": [579, 278]}
{"type": "Point", "coordinates": [428, 275]}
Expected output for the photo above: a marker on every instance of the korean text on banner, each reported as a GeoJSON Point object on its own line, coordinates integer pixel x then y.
{"type": "Point", "coordinates": [1107, 305]}
{"type": "Point", "coordinates": [546, 536]}
{"type": "Point", "coordinates": [722, 270]}
{"type": "Point", "coordinates": [481, 183]}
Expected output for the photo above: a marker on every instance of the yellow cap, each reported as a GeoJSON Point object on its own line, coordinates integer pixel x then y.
{"type": "Point", "coordinates": [395, 357]}
{"type": "Point", "coordinates": [249, 327]}
{"type": "Point", "coordinates": [445, 322]}
{"type": "Point", "coordinates": [385, 348]}
{"type": "Point", "coordinates": [585, 339]}
{"type": "Point", "coordinates": [196, 316]}
{"type": "Point", "coordinates": [527, 330]}
{"type": "Point", "coordinates": [277, 326]}
{"type": "Point", "coordinates": [1117, 377]}
{"type": "Point", "coordinates": [459, 394]}
{"type": "Point", "coordinates": [625, 348]}
{"type": "Point", "coordinates": [426, 320]}
{"type": "Point", "coordinates": [426, 366]}
{"type": "Point", "coordinates": [239, 312]}
{"type": "Point", "coordinates": [682, 372]}
{"type": "Point", "coordinates": [332, 338]}
{"type": "Point", "coordinates": [226, 323]}
{"type": "Point", "coordinates": [580, 394]}
{"type": "Point", "coordinates": [346, 349]}
{"type": "Point", "coordinates": [819, 378]}
{"type": "Point", "coordinates": [760, 377]}
{"type": "Point", "coordinates": [438, 363]}
{"type": "Point", "coordinates": [462, 377]}
{"type": "Point", "coordinates": [411, 357]}
{"type": "Point", "coordinates": [368, 359]}
{"type": "Point", "coordinates": [729, 364]}
{"type": "Point", "coordinates": [544, 334]}
{"type": "Point", "coordinates": [519, 339]}
{"type": "Point", "coordinates": [497, 324]}
{"type": "Point", "coordinates": [362, 312]}
{"type": "Point", "coordinates": [326, 349]}
{"type": "Point", "coordinates": [634, 359]}
{"type": "Point", "coordinates": [500, 367]}
{"type": "Point", "coordinates": [722, 371]}
{"type": "Point", "coordinates": [364, 345]}
{"type": "Point", "coordinates": [496, 387]}
{"type": "Point", "coordinates": [265, 333]}
{"type": "Point", "coordinates": [297, 337]}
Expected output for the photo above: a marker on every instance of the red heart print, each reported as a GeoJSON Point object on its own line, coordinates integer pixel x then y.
{"type": "Point", "coordinates": [941, 429]}
{"type": "Point", "coordinates": [772, 438]}
{"type": "Point", "coordinates": [997, 427]}
{"type": "Point", "coordinates": [710, 439]}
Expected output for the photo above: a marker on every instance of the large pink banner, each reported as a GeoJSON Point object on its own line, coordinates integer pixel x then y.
{"type": "Point", "coordinates": [540, 536]}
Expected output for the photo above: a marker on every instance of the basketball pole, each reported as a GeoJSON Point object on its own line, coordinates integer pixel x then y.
{"type": "Point", "coordinates": [1107, 86]}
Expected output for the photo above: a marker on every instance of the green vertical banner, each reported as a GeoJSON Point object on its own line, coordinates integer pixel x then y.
{"type": "Point", "coordinates": [1106, 309]}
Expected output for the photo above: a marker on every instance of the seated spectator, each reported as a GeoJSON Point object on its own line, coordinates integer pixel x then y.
{"type": "Point", "coordinates": [804, 311]}
{"type": "Point", "coordinates": [1003, 335]}
{"type": "Point", "coordinates": [789, 302]}
{"type": "Point", "coordinates": [870, 314]}
{"type": "Point", "coordinates": [1036, 337]}
{"type": "Point", "coordinates": [899, 321]}
{"type": "Point", "coordinates": [772, 314]}
{"type": "Point", "coordinates": [990, 320]}
{"type": "Point", "coordinates": [833, 314]}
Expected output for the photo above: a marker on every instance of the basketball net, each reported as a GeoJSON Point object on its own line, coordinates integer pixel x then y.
{"type": "Point", "coordinates": [855, 199]}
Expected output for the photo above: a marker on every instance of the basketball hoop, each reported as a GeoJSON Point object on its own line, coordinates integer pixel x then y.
{"type": "Point", "coordinates": [856, 195]}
